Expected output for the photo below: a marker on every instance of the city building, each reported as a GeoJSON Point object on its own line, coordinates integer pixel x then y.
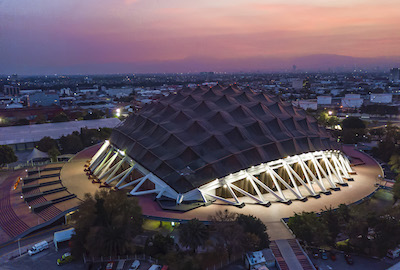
{"type": "Point", "coordinates": [352, 101]}
{"type": "Point", "coordinates": [43, 99]}
{"type": "Point", "coordinates": [324, 100]}
{"type": "Point", "coordinates": [394, 75]}
{"type": "Point", "coordinates": [381, 98]}
{"type": "Point", "coordinates": [306, 104]}
{"type": "Point", "coordinates": [221, 144]}
{"type": "Point", "coordinates": [259, 260]}
{"type": "Point", "coordinates": [297, 84]}
{"type": "Point", "coordinates": [11, 90]}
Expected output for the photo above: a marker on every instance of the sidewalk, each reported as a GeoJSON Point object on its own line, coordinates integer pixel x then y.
{"type": "Point", "coordinates": [24, 249]}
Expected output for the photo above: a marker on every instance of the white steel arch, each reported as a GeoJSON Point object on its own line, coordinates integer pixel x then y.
{"type": "Point", "coordinates": [330, 169]}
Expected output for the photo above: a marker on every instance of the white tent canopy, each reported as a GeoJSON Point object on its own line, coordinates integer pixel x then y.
{"type": "Point", "coordinates": [36, 154]}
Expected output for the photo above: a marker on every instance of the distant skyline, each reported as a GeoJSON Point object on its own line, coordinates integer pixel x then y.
{"type": "Point", "coordinates": [137, 36]}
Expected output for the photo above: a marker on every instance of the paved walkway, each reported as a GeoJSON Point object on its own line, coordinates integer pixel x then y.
{"type": "Point", "coordinates": [10, 223]}
{"type": "Point", "coordinates": [288, 254]}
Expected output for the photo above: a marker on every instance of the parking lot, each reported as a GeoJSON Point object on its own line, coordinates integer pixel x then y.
{"type": "Point", "coordinates": [47, 260]}
{"type": "Point", "coordinates": [361, 263]}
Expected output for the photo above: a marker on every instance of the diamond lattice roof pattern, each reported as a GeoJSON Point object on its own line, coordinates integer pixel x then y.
{"type": "Point", "coordinates": [195, 136]}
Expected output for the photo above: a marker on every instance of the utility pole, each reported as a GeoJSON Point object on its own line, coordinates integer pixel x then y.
{"type": "Point", "coordinates": [19, 247]}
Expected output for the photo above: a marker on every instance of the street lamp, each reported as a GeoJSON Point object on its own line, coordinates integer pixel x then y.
{"type": "Point", "coordinates": [330, 112]}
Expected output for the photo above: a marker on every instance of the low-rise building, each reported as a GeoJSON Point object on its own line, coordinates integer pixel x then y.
{"type": "Point", "coordinates": [324, 100]}
{"type": "Point", "coordinates": [352, 101]}
{"type": "Point", "coordinates": [381, 98]}
{"type": "Point", "coordinates": [306, 104]}
{"type": "Point", "coordinates": [43, 99]}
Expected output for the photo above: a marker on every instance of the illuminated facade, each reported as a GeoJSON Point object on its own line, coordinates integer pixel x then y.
{"type": "Point", "coordinates": [228, 144]}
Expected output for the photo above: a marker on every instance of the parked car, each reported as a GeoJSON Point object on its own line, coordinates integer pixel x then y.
{"type": "Point", "coordinates": [315, 253]}
{"type": "Point", "coordinates": [324, 255]}
{"type": "Point", "coordinates": [332, 254]}
{"type": "Point", "coordinates": [155, 267]}
{"type": "Point", "coordinates": [135, 265]}
{"type": "Point", "coordinates": [348, 258]}
{"type": "Point", "coordinates": [66, 258]}
{"type": "Point", "coordinates": [38, 247]}
{"type": "Point", "coordinates": [110, 266]}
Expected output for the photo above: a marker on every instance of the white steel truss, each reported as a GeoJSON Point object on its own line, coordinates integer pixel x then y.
{"type": "Point", "coordinates": [314, 173]}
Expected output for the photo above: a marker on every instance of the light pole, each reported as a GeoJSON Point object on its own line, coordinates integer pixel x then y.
{"type": "Point", "coordinates": [19, 247]}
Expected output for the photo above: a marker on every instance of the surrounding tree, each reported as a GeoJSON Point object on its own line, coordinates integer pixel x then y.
{"type": "Point", "coordinates": [193, 234]}
{"type": "Point", "coordinates": [353, 130]}
{"type": "Point", "coordinates": [396, 190]}
{"type": "Point", "coordinates": [46, 144]}
{"type": "Point", "coordinates": [53, 153]}
{"type": "Point", "coordinates": [71, 144]}
{"type": "Point", "coordinates": [309, 228]}
{"type": "Point", "coordinates": [106, 224]}
{"type": "Point", "coordinates": [253, 225]}
{"type": "Point", "coordinates": [353, 123]}
{"type": "Point", "coordinates": [387, 147]}
{"type": "Point", "coordinates": [21, 122]}
{"type": "Point", "coordinates": [159, 245]}
{"type": "Point", "coordinates": [343, 212]}
{"type": "Point", "coordinates": [328, 120]}
{"type": "Point", "coordinates": [379, 109]}
{"type": "Point", "coordinates": [95, 114]}
{"type": "Point", "coordinates": [386, 234]}
{"type": "Point", "coordinates": [230, 235]}
{"type": "Point", "coordinates": [7, 155]}
{"type": "Point", "coordinates": [61, 117]}
{"type": "Point", "coordinates": [331, 220]}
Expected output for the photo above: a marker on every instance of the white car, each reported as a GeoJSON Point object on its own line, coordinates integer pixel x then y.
{"type": "Point", "coordinates": [135, 265]}
{"type": "Point", "coordinates": [38, 247]}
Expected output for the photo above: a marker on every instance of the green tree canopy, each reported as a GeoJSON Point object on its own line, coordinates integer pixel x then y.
{"type": "Point", "coordinates": [61, 117]}
{"type": "Point", "coordinates": [193, 234]}
{"type": "Point", "coordinates": [352, 123]}
{"type": "Point", "coordinates": [47, 143]}
{"type": "Point", "coordinates": [71, 144]}
{"type": "Point", "coordinates": [106, 224]}
{"type": "Point", "coordinates": [21, 122]}
{"type": "Point", "coordinates": [53, 153]}
{"type": "Point", "coordinates": [308, 227]}
{"type": "Point", "coordinates": [7, 155]}
{"type": "Point", "coordinates": [159, 244]}
{"type": "Point", "coordinates": [230, 235]}
{"type": "Point", "coordinates": [255, 226]}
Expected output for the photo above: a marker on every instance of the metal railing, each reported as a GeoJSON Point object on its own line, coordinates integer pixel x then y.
{"type": "Point", "coordinates": [143, 257]}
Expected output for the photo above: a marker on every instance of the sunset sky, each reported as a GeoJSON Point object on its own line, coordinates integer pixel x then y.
{"type": "Point", "coordinates": [66, 35]}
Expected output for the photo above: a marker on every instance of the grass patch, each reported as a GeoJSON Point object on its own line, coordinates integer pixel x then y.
{"type": "Point", "coordinates": [384, 195]}
{"type": "Point", "coordinates": [159, 226]}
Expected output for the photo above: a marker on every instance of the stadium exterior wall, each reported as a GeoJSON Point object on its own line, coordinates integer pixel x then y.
{"type": "Point", "coordinates": [291, 177]}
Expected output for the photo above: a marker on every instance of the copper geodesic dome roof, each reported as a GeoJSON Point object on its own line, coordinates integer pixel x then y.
{"type": "Point", "coordinates": [195, 136]}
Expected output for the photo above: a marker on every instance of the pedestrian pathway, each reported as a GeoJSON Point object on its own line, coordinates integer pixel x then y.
{"type": "Point", "coordinates": [10, 223]}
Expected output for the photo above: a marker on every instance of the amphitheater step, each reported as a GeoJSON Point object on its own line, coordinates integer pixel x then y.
{"type": "Point", "coordinates": [31, 179]}
{"type": "Point", "coordinates": [39, 207]}
{"type": "Point", "coordinates": [31, 197]}
{"type": "Point", "coordinates": [26, 188]}
{"type": "Point", "coordinates": [31, 172]}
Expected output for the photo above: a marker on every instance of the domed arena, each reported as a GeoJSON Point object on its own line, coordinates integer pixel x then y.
{"type": "Point", "coordinates": [221, 145]}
